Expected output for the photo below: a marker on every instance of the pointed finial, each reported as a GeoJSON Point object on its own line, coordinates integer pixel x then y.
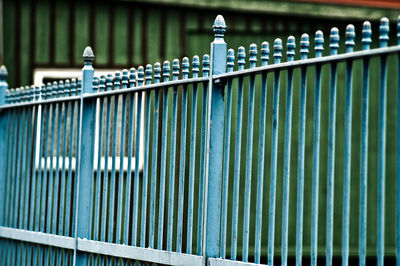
{"type": "Point", "coordinates": [132, 77]}
{"type": "Point", "coordinates": [277, 50]}
{"type": "Point", "coordinates": [398, 30]}
{"type": "Point", "coordinates": [17, 95]}
{"type": "Point", "coordinates": [148, 72]}
{"type": "Point", "coordinates": [157, 72]}
{"type": "Point", "coordinates": [60, 88]}
{"type": "Point", "coordinates": [88, 56]}
{"type": "Point", "coordinates": [79, 86]}
{"type": "Point", "coordinates": [241, 57]}
{"type": "Point", "coordinates": [350, 36]}
{"type": "Point", "coordinates": [43, 92]}
{"type": "Point", "coordinates": [384, 32]}
{"type": "Point", "coordinates": [95, 83]}
{"type": "Point", "coordinates": [109, 82]}
{"type": "Point", "coordinates": [73, 87]}
{"type": "Point", "coordinates": [264, 53]}
{"type": "Point", "coordinates": [185, 68]}
{"type": "Point", "coordinates": [117, 80]}
{"type": "Point", "coordinates": [54, 89]}
{"type": "Point", "coordinates": [334, 38]}
{"type": "Point", "coordinates": [219, 27]}
{"type": "Point", "coordinates": [3, 73]}
{"type": "Point", "coordinates": [125, 78]}
{"type": "Point", "coordinates": [102, 83]}
{"type": "Point", "coordinates": [37, 93]}
{"type": "Point", "coordinates": [195, 66]}
{"type": "Point", "coordinates": [140, 76]}
{"type": "Point", "coordinates": [253, 55]}
{"type": "Point", "coordinates": [206, 65]}
{"type": "Point", "coordinates": [230, 60]}
{"type": "Point", "coordinates": [7, 96]}
{"type": "Point", "coordinates": [366, 35]}
{"type": "Point", "coordinates": [166, 70]}
{"type": "Point", "coordinates": [304, 45]}
{"type": "Point", "coordinates": [67, 88]}
{"type": "Point", "coordinates": [24, 94]}
{"type": "Point", "coordinates": [319, 43]}
{"type": "Point", "coordinates": [32, 93]}
{"type": "Point", "coordinates": [290, 46]}
{"type": "Point", "coordinates": [48, 90]}
{"type": "Point", "coordinates": [175, 69]}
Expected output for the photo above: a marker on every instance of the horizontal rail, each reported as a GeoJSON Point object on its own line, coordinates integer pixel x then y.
{"type": "Point", "coordinates": [37, 237]}
{"type": "Point", "coordinates": [108, 93]}
{"type": "Point", "coordinates": [39, 102]}
{"type": "Point", "coordinates": [137, 253]}
{"type": "Point", "coordinates": [222, 262]}
{"type": "Point", "coordinates": [310, 61]}
{"type": "Point", "coordinates": [107, 249]}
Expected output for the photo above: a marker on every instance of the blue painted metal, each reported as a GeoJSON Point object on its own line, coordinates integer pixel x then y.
{"type": "Point", "coordinates": [48, 178]}
{"type": "Point", "coordinates": [334, 45]}
{"type": "Point", "coordinates": [227, 143]}
{"type": "Point", "coordinates": [182, 160]}
{"type": "Point", "coordinates": [192, 162]}
{"type": "Point", "coordinates": [366, 41]}
{"type": "Point", "coordinates": [201, 203]}
{"type": "Point", "coordinates": [291, 45]}
{"type": "Point", "coordinates": [215, 142]}
{"type": "Point", "coordinates": [274, 153]}
{"type": "Point", "coordinates": [261, 153]}
{"type": "Point", "coordinates": [236, 177]}
{"type": "Point", "coordinates": [319, 41]}
{"type": "Point", "coordinates": [383, 39]}
{"type": "Point", "coordinates": [350, 35]}
{"type": "Point", "coordinates": [85, 154]}
{"type": "Point", "coordinates": [163, 166]}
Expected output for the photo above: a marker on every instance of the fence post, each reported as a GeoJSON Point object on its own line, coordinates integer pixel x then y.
{"type": "Point", "coordinates": [3, 140]}
{"type": "Point", "coordinates": [215, 129]}
{"type": "Point", "coordinates": [85, 156]}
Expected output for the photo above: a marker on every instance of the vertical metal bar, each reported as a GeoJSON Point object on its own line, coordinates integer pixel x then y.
{"type": "Point", "coordinates": [19, 158]}
{"type": "Point", "coordinates": [135, 210]}
{"type": "Point", "coordinates": [4, 143]}
{"type": "Point", "coordinates": [192, 162]}
{"type": "Point", "coordinates": [24, 178]}
{"type": "Point", "coordinates": [249, 156]}
{"type": "Point", "coordinates": [227, 143]}
{"type": "Point", "coordinates": [105, 202]}
{"type": "Point", "coordinates": [274, 153]}
{"type": "Point", "coordinates": [238, 151]}
{"type": "Point", "coordinates": [383, 38]}
{"type": "Point", "coordinates": [201, 205]}
{"type": "Point", "coordinates": [163, 168]}
{"type": "Point", "coordinates": [85, 156]}
{"type": "Point", "coordinates": [121, 179]}
{"type": "Point", "coordinates": [334, 38]}
{"type": "Point", "coordinates": [111, 207]}
{"type": "Point", "coordinates": [366, 41]}
{"type": "Point", "coordinates": [132, 80]}
{"type": "Point", "coordinates": [291, 45]}
{"type": "Point", "coordinates": [319, 42]}
{"type": "Point", "coordinates": [182, 160]}
{"type": "Point", "coordinates": [33, 197]}
{"type": "Point", "coordinates": [7, 174]}
{"type": "Point", "coordinates": [171, 178]}
{"type": "Point", "coordinates": [44, 177]}
{"type": "Point", "coordinates": [11, 162]}
{"type": "Point", "coordinates": [215, 141]}
{"type": "Point", "coordinates": [261, 153]}
{"type": "Point", "coordinates": [153, 187]}
{"type": "Point", "coordinates": [146, 161]}
{"type": "Point", "coordinates": [350, 35]}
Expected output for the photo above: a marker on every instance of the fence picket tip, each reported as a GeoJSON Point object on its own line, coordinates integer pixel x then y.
{"type": "Point", "coordinates": [230, 62]}
{"type": "Point", "coordinates": [157, 72]}
{"type": "Point", "coordinates": [304, 45]}
{"type": "Point", "coordinates": [67, 87]}
{"type": "Point", "coordinates": [319, 43]}
{"type": "Point", "coordinates": [125, 78]}
{"type": "Point", "coordinates": [277, 50]}
{"type": "Point", "coordinates": [219, 27]}
{"type": "Point", "coordinates": [195, 66]}
{"type": "Point", "coordinates": [166, 70]}
{"type": "Point", "coordinates": [350, 36]}
{"type": "Point", "coordinates": [88, 55]}
{"type": "Point", "coordinates": [206, 65]}
{"type": "Point", "coordinates": [334, 39]}
{"type": "Point", "coordinates": [54, 89]}
{"type": "Point", "coordinates": [253, 55]}
{"type": "Point", "coordinates": [366, 35]}
{"type": "Point", "coordinates": [384, 32]}
{"type": "Point", "coordinates": [60, 88]}
{"type": "Point", "coordinates": [95, 83]}
{"type": "Point", "coordinates": [290, 46]}
{"type": "Point", "coordinates": [185, 67]}
{"type": "Point", "coordinates": [148, 74]}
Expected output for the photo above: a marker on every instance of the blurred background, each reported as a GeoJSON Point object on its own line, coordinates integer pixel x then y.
{"type": "Point", "coordinates": [39, 36]}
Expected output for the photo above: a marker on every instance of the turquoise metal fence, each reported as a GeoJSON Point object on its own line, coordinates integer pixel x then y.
{"type": "Point", "coordinates": [137, 168]}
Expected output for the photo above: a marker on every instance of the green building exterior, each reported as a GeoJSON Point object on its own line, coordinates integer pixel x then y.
{"type": "Point", "coordinates": [51, 35]}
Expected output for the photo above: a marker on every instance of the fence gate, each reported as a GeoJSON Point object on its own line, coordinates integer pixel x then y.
{"type": "Point", "coordinates": [204, 167]}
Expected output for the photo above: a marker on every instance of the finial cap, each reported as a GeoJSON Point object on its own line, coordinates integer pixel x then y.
{"type": "Point", "coordinates": [88, 55]}
{"type": "Point", "coordinates": [219, 27]}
